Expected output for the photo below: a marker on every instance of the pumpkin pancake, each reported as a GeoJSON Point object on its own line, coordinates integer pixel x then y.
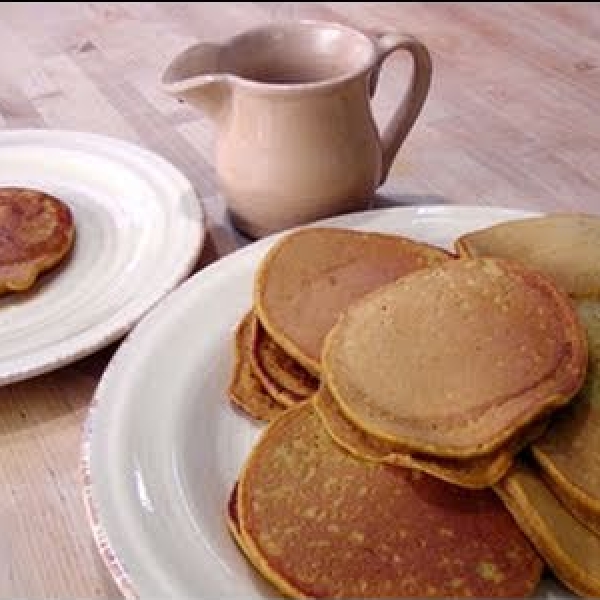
{"type": "Point", "coordinates": [36, 233]}
{"type": "Point", "coordinates": [312, 275]}
{"type": "Point", "coordinates": [319, 522]}
{"type": "Point", "coordinates": [457, 359]}
{"type": "Point", "coordinates": [245, 389]}
{"type": "Point", "coordinates": [569, 453]}
{"type": "Point", "coordinates": [233, 521]}
{"type": "Point", "coordinates": [565, 247]}
{"type": "Point", "coordinates": [280, 374]}
{"type": "Point", "coordinates": [570, 549]}
{"type": "Point", "coordinates": [478, 472]}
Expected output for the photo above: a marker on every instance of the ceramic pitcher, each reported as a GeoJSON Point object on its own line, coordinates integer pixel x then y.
{"type": "Point", "coordinates": [296, 139]}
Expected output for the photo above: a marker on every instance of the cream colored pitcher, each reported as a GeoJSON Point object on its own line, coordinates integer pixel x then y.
{"type": "Point", "coordinates": [296, 139]}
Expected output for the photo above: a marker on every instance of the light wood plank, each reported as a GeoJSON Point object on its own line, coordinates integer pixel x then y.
{"type": "Point", "coordinates": [511, 119]}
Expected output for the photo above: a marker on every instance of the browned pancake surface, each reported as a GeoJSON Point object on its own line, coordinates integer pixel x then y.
{"type": "Point", "coordinates": [36, 232]}
{"type": "Point", "coordinates": [282, 376]}
{"type": "Point", "coordinates": [476, 473]}
{"type": "Point", "coordinates": [245, 389]}
{"type": "Point", "coordinates": [319, 522]}
{"type": "Point", "coordinates": [566, 247]}
{"type": "Point", "coordinates": [570, 549]}
{"type": "Point", "coordinates": [453, 360]}
{"type": "Point", "coordinates": [569, 452]}
{"type": "Point", "coordinates": [310, 276]}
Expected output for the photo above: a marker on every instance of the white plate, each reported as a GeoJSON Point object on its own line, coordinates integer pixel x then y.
{"type": "Point", "coordinates": [139, 231]}
{"type": "Point", "coordinates": [162, 445]}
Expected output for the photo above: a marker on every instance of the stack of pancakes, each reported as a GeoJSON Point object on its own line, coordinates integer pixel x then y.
{"type": "Point", "coordinates": [555, 495]}
{"type": "Point", "coordinates": [304, 283]}
{"type": "Point", "coordinates": [405, 382]}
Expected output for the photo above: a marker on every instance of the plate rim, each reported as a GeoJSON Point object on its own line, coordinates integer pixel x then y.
{"type": "Point", "coordinates": [131, 312]}
{"type": "Point", "coordinates": [119, 360]}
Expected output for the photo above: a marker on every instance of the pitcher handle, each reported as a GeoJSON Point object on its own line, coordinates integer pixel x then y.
{"type": "Point", "coordinates": [407, 112]}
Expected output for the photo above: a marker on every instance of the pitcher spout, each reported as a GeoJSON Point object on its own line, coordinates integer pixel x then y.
{"type": "Point", "coordinates": [194, 77]}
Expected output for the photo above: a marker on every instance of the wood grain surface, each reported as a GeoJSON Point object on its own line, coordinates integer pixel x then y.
{"type": "Point", "coordinates": [511, 120]}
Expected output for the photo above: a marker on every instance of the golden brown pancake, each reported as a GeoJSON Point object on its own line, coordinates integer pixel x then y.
{"type": "Point", "coordinates": [312, 275]}
{"type": "Point", "coordinates": [455, 360]}
{"type": "Point", "coordinates": [232, 517]}
{"type": "Point", "coordinates": [570, 549]}
{"type": "Point", "coordinates": [476, 473]}
{"type": "Point", "coordinates": [569, 452]}
{"type": "Point", "coordinates": [282, 377]}
{"type": "Point", "coordinates": [318, 522]}
{"type": "Point", "coordinates": [36, 233]}
{"type": "Point", "coordinates": [565, 247]}
{"type": "Point", "coordinates": [245, 390]}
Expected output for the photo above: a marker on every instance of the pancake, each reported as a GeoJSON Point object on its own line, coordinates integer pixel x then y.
{"type": "Point", "coordinates": [569, 452]}
{"type": "Point", "coordinates": [455, 360]}
{"type": "Point", "coordinates": [245, 389]}
{"type": "Point", "coordinates": [310, 276]}
{"type": "Point", "coordinates": [36, 233]}
{"type": "Point", "coordinates": [282, 377]}
{"type": "Point", "coordinates": [475, 473]}
{"type": "Point", "coordinates": [233, 521]}
{"type": "Point", "coordinates": [318, 522]}
{"type": "Point", "coordinates": [570, 549]}
{"type": "Point", "coordinates": [565, 247]}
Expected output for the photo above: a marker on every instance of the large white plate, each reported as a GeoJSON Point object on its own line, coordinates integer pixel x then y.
{"type": "Point", "coordinates": [139, 230]}
{"type": "Point", "coordinates": [162, 446]}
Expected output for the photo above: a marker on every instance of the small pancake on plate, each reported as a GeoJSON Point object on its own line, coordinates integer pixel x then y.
{"type": "Point", "coordinates": [319, 522]}
{"type": "Point", "coordinates": [457, 359]}
{"type": "Point", "coordinates": [569, 548]}
{"type": "Point", "coordinates": [312, 275]}
{"type": "Point", "coordinates": [245, 389]}
{"type": "Point", "coordinates": [475, 473]}
{"type": "Point", "coordinates": [564, 246]}
{"type": "Point", "coordinates": [282, 376]}
{"type": "Point", "coordinates": [36, 233]}
{"type": "Point", "coordinates": [569, 452]}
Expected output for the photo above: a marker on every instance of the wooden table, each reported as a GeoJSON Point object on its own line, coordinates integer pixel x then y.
{"type": "Point", "coordinates": [512, 120]}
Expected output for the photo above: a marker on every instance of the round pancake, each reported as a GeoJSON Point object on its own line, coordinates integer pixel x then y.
{"type": "Point", "coordinates": [565, 247]}
{"type": "Point", "coordinates": [475, 473]}
{"type": "Point", "coordinates": [570, 549]}
{"type": "Point", "coordinates": [245, 389]}
{"type": "Point", "coordinates": [310, 276]}
{"type": "Point", "coordinates": [36, 233]}
{"type": "Point", "coordinates": [454, 360]}
{"type": "Point", "coordinates": [318, 522]}
{"type": "Point", "coordinates": [279, 373]}
{"type": "Point", "coordinates": [569, 452]}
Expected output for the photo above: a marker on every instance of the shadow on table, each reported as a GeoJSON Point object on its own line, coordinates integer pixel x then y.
{"type": "Point", "coordinates": [221, 239]}
{"type": "Point", "coordinates": [391, 199]}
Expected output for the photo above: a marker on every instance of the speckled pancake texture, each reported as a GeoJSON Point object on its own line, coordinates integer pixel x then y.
{"type": "Point", "coordinates": [565, 247]}
{"type": "Point", "coordinates": [457, 359]}
{"type": "Point", "coordinates": [318, 522]}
